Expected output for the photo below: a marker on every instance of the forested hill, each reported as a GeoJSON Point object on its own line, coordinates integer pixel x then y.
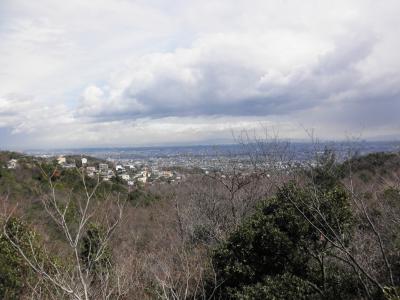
{"type": "Point", "coordinates": [24, 179]}
{"type": "Point", "coordinates": [329, 229]}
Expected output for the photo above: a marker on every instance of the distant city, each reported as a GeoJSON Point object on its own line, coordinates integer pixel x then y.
{"type": "Point", "coordinates": [146, 163]}
{"type": "Point", "coordinates": [183, 155]}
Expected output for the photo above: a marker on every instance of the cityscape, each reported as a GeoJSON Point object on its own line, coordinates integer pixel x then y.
{"type": "Point", "coordinates": [146, 166]}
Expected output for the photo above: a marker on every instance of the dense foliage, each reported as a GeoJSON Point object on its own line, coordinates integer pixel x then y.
{"type": "Point", "coordinates": [15, 273]}
{"type": "Point", "coordinates": [279, 254]}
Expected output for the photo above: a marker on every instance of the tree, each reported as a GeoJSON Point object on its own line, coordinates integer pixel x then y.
{"type": "Point", "coordinates": [86, 245]}
{"type": "Point", "coordinates": [15, 273]}
{"type": "Point", "coordinates": [95, 255]}
{"type": "Point", "coordinates": [279, 247]}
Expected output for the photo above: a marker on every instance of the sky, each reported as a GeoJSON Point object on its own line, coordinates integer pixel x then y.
{"type": "Point", "coordinates": [94, 73]}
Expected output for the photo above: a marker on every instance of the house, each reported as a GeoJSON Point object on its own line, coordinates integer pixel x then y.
{"type": "Point", "coordinates": [90, 171]}
{"type": "Point", "coordinates": [103, 169]}
{"type": "Point", "coordinates": [145, 173]}
{"type": "Point", "coordinates": [142, 179]}
{"type": "Point", "coordinates": [61, 160]}
{"type": "Point", "coordinates": [130, 166]}
{"type": "Point", "coordinates": [120, 169]}
{"type": "Point", "coordinates": [84, 160]}
{"type": "Point", "coordinates": [12, 164]}
{"type": "Point", "coordinates": [167, 174]}
{"type": "Point", "coordinates": [69, 166]}
{"type": "Point", "coordinates": [125, 177]}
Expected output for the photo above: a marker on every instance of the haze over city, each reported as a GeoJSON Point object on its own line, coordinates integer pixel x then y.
{"type": "Point", "coordinates": [137, 73]}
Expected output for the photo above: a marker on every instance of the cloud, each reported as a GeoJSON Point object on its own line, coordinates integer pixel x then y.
{"type": "Point", "coordinates": [126, 72]}
{"type": "Point", "coordinates": [232, 75]}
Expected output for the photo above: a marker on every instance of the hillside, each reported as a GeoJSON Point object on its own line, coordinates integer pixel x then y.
{"type": "Point", "coordinates": [237, 236]}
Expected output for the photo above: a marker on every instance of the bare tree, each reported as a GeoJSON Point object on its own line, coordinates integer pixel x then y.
{"type": "Point", "coordinates": [367, 252]}
{"type": "Point", "coordinates": [77, 277]}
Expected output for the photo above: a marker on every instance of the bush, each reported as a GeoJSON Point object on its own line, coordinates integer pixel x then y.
{"type": "Point", "coordinates": [286, 286]}
{"type": "Point", "coordinates": [142, 198]}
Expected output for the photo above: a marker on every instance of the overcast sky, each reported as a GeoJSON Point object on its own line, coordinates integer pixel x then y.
{"type": "Point", "coordinates": [129, 73]}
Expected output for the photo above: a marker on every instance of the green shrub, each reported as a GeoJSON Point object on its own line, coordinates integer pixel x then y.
{"type": "Point", "coordinates": [14, 271]}
{"type": "Point", "coordinates": [276, 248]}
{"type": "Point", "coordinates": [142, 198]}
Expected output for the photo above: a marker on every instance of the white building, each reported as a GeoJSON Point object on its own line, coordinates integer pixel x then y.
{"type": "Point", "coordinates": [90, 171]}
{"type": "Point", "coordinates": [69, 166]}
{"type": "Point", "coordinates": [61, 160]}
{"type": "Point", "coordinates": [12, 164]}
{"type": "Point", "coordinates": [142, 179]}
{"type": "Point", "coordinates": [84, 161]}
{"type": "Point", "coordinates": [145, 173]}
{"type": "Point", "coordinates": [120, 169]}
{"type": "Point", "coordinates": [130, 166]}
{"type": "Point", "coordinates": [125, 177]}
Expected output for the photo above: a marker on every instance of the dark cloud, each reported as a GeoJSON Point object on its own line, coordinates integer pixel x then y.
{"type": "Point", "coordinates": [231, 86]}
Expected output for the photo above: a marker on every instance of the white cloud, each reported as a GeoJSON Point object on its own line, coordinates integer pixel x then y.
{"type": "Point", "coordinates": [100, 72]}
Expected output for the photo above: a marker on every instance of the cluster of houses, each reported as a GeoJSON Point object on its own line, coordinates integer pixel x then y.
{"type": "Point", "coordinates": [136, 173]}
{"type": "Point", "coordinates": [129, 172]}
